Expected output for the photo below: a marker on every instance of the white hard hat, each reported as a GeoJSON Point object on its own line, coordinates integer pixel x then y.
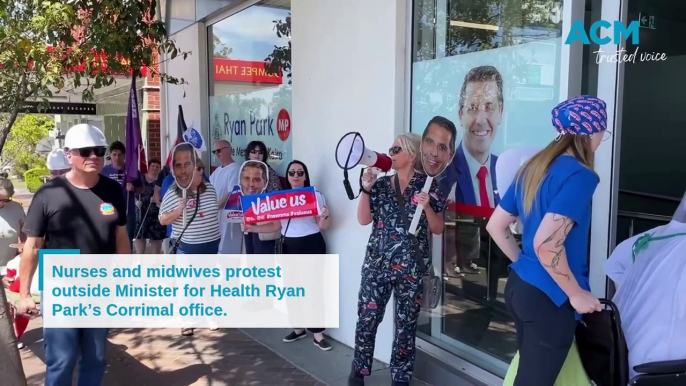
{"type": "Point", "coordinates": [84, 135]}
{"type": "Point", "coordinates": [57, 160]}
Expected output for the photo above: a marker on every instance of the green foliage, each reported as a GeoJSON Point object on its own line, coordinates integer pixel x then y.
{"type": "Point", "coordinates": [280, 59]}
{"type": "Point", "coordinates": [20, 149]}
{"type": "Point", "coordinates": [33, 178]}
{"type": "Point", "coordinates": [49, 47]}
{"type": "Point", "coordinates": [221, 50]}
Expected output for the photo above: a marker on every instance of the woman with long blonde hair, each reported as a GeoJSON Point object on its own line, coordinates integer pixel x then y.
{"type": "Point", "coordinates": [548, 288]}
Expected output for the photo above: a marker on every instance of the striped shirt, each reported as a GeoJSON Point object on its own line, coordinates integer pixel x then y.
{"type": "Point", "coordinates": [205, 227]}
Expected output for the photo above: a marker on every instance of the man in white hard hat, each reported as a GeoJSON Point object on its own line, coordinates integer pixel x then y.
{"type": "Point", "coordinates": [78, 210]}
{"type": "Point", "coordinates": [57, 163]}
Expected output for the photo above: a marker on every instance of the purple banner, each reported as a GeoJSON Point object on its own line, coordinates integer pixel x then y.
{"type": "Point", "coordinates": [134, 143]}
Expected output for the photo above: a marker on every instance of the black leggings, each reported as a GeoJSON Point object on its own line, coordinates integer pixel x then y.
{"type": "Point", "coordinates": [313, 244]}
{"type": "Point", "coordinates": [545, 332]}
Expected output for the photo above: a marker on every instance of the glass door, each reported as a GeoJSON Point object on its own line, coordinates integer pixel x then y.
{"type": "Point", "coordinates": [517, 51]}
{"type": "Point", "coordinates": [603, 77]}
{"type": "Point", "coordinates": [652, 164]}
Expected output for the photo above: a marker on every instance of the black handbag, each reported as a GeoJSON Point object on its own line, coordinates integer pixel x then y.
{"type": "Point", "coordinates": [431, 294]}
{"type": "Point", "coordinates": [175, 248]}
{"type": "Point", "coordinates": [278, 246]}
{"type": "Point", "coordinates": [602, 346]}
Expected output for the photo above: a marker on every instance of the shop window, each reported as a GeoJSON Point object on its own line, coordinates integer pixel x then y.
{"type": "Point", "coordinates": [492, 67]}
{"type": "Point", "coordinates": [250, 83]}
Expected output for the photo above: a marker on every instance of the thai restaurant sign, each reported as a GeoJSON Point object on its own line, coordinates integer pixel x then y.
{"type": "Point", "coordinates": [233, 70]}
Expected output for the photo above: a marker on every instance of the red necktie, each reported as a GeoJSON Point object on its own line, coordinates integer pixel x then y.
{"type": "Point", "coordinates": [483, 192]}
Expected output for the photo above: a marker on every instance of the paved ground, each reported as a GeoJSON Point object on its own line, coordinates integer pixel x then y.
{"type": "Point", "coordinates": [228, 357]}
{"type": "Point", "coordinates": [24, 197]}
{"type": "Point", "coordinates": [162, 357]}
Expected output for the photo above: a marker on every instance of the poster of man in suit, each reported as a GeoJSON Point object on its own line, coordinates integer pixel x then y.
{"type": "Point", "coordinates": [470, 180]}
{"type": "Point", "coordinates": [480, 111]}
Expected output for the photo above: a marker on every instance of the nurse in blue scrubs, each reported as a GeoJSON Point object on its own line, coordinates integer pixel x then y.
{"type": "Point", "coordinates": [548, 287]}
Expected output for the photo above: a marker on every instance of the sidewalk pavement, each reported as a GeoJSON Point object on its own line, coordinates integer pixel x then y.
{"type": "Point", "coordinates": [228, 357]}
{"type": "Point", "coordinates": [24, 197]}
{"type": "Point", "coordinates": [162, 357]}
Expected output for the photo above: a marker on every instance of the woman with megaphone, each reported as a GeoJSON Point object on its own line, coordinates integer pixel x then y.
{"type": "Point", "coordinates": [391, 264]}
{"type": "Point", "coordinates": [548, 288]}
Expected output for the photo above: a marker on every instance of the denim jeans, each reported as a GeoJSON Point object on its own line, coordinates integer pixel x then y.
{"type": "Point", "coordinates": [64, 346]}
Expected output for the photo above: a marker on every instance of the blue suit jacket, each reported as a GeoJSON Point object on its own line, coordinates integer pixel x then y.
{"type": "Point", "coordinates": [458, 172]}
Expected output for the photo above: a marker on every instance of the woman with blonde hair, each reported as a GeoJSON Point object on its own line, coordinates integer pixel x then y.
{"type": "Point", "coordinates": [548, 288]}
{"type": "Point", "coordinates": [391, 264]}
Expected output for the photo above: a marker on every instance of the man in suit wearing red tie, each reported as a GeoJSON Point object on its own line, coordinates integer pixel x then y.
{"type": "Point", "coordinates": [472, 172]}
{"type": "Point", "coordinates": [480, 112]}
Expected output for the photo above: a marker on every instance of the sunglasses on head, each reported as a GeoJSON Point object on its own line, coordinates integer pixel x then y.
{"type": "Point", "coordinates": [394, 150]}
{"type": "Point", "coordinates": [292, 173]}
{"type": "Point", "coordinates": [87, 151]}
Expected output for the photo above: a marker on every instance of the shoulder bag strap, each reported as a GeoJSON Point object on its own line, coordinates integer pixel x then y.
{"type": "Point", "coordinates": [287, 225]}
{"type": "Point", "coordinates": [195, 212]}
{"type": "Point", "coordinates": [403, 215]}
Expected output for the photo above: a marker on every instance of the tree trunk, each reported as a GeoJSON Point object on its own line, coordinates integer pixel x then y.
{"type": "Point", "coordinates": [11, 370]}
{"type": "Point", "coordinates": [5, 129]}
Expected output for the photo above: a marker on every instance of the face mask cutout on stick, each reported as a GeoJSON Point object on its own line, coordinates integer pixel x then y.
{"type": "Point", "coordinates": [436, 151]}
{"type": "Point", "coordinates": [184, 164]}
{"type": "Point", "coordinates": [253, 177]}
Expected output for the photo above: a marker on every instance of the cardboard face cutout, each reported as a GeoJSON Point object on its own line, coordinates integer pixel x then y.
{"type": "Point", "coordinates": [438, 146]}
{"type": "Point", "coordinates": [436, 151]}
{"type": "Point", "coordinates": [184, 164]}
{"type": "Point", "coordinates": [253, 177]}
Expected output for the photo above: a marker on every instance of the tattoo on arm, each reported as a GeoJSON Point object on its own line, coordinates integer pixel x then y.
{"type": "Point", "coordinates": [564, 226]}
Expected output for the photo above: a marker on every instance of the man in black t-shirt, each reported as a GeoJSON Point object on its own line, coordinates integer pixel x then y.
{"type": "Point", "coordinates": [79, 210]}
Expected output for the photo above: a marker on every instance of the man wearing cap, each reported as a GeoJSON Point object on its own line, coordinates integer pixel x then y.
{"type": "Point", "coordinates": [57, 163]}
{"type": "Point", "coordinates": [78, 210]}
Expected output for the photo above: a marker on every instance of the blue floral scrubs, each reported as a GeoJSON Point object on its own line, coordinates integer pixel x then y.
{"type": "Point", "coordinates": [391, 267]}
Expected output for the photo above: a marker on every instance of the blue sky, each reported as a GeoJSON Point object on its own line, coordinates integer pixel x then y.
{"type": "Point", "coordinates": [250, 33]}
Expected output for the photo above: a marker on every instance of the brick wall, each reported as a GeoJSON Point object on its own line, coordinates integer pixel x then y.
{"type": "Point", "coordinates": [153, 106]}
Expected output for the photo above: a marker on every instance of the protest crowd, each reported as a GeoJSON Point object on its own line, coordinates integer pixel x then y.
{"type": "Point", "coordinates": [182, 207]}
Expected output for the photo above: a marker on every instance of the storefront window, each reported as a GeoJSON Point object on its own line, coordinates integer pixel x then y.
{"type": "Point", "coordinates": [250, 83]}
{"type": "Point", "coordinates": [492, 67]}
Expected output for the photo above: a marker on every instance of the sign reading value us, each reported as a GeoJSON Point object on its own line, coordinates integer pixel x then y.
{"type": "Point", "coordinates": [280, 205]}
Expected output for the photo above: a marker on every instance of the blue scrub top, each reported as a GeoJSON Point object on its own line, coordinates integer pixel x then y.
{"type": "Point", "coordinates": [566, 190]}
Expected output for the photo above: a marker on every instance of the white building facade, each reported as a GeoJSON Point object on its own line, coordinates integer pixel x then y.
{"type": "Point", "coordinates": [385, 67]}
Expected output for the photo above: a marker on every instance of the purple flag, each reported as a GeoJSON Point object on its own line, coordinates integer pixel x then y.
{"type": "Point", "coordinates": [134, 142]}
